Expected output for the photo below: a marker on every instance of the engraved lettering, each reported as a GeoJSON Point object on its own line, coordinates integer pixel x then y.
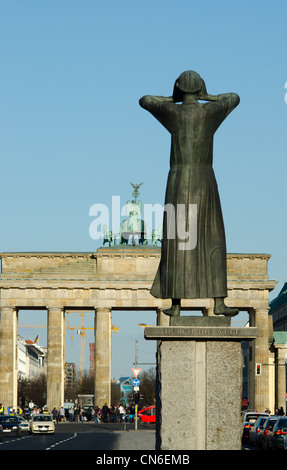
{"type": "Point", "coordinates": [210, 331]}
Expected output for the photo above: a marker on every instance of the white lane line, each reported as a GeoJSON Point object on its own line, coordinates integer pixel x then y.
{"type": "Point", "coordinates": [61, 442]}
{"type": "Point", "coordinates": [13, 440]}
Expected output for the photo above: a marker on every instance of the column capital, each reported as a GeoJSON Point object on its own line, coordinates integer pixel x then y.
{"type": "Point", "coordinates": [261, 309]}
{"type": "Point", "coordinates": [53, 307]}
{"type": "Point", "coordinates": [160, 309]}
{"type": "Point", "coordinates": [161, 318]}
{"type": "Point", "coordinates": [103, 309]}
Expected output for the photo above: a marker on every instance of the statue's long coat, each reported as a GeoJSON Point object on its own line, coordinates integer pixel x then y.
{"type": "Point", "coordinates": [199, 272]}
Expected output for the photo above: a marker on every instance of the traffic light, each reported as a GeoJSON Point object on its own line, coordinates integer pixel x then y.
{"type": "Point", "coordinates": [258, 369]}
{"type": "Point", "coordinates": [137, 398]}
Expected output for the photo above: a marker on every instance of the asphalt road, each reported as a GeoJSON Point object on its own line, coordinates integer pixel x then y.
{"type": "Point", "coordinates": [86, 437]}
{"type": "Point", "coordinates": [69, 436]}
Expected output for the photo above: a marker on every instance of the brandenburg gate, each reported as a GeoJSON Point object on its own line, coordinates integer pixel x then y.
{"type": "Point", "coordinates": [114, 278]}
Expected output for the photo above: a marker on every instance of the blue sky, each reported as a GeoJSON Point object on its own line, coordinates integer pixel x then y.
{"type": "Point", "coordinates": [72, 133]}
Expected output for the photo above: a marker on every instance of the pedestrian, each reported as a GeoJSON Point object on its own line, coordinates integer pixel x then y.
{"type": "Point", "coordinates": [77, 414]}
{"type": "Point", "coordinates": [121, 413]}
{"type": "Point", "coordinates": [55, 414]}
{"type": "Point", "coordinates": [27, 413]}
{"type": "Point", "coordinates": [97, 415]}
{"type": "Point", "coordinates": [113, 418]}
{"type": "Point", "coordinates": [105, 413]}
{"type": "Point", "coordinates": [62, 414]}
{"type": "Point", "coordinates": [71, 413]}
{"type": "Point", "coordinates": [89, 414]}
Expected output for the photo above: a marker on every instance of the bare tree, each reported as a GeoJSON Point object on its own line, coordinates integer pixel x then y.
{"type": "Point", "coordinates": [148, 387]}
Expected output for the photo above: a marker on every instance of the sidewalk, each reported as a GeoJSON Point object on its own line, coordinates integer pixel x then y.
{"type": "Point", "coordinates": [136, 440]}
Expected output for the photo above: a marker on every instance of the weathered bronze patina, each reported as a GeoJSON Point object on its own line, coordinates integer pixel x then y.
{"type": "Point", "coordinates": [199, 272]}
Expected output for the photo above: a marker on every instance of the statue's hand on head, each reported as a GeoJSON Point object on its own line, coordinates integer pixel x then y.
{"type": "Point", "coordinates": [203, 95]}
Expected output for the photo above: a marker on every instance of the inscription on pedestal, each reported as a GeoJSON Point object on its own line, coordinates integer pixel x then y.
{"type": "Point", "coordinates": [179, 332]}
{"type": "Point", "coordinates": [201, 331]}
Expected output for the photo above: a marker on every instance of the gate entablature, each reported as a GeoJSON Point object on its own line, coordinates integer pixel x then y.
{"type": "Point", "coordinates": [118, 277]}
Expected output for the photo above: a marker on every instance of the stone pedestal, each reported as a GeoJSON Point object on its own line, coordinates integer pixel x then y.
{"type": "Point", "coordinates": [199, 382]}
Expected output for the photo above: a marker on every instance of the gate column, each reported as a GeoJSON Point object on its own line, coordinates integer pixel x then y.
{"type": "Point", "coordinates": [56, 359]}
{"type": "Point", "coordinates": [161, 318]}
{"type": "Point", "coordinates": [259, 396]}
{"type": "Point", "coordinates": [102, 357]}
{"type": "Point", "coordinates": [280, 377]}
{"type": "Point", "coordinates": [8, 356]}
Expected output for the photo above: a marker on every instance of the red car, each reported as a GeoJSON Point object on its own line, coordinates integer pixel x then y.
{"type": "Point", "coordinates": [147, 415]}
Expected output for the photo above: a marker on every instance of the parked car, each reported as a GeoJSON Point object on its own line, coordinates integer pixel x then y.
{"type": "Point", "coordinates": [245, 412]}
{"type": "Point", "coordinates": [278, 433]}
{"type": "Point", "coordinates": [267, 428]}
{"type": "Point", "coordinates": [255, 430]}
{"type": "Point", "coordinates": [24, 425]}
{"type": "Point", "coordinates": [248, 423]}
{"type": "Point", "coordinates": [42, 423]}
{"type": "Point", "coordinates": [10, 425]}
{"type": "Point", "coordinates": [1, 433]}
{"type": "Point", "coordinates": [147, 415]}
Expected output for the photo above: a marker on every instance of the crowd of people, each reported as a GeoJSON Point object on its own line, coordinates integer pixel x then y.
{"type": "Point", "coordinates": [114, 414]}
{"type": "Point", "coordinates": [25, 412]}
{"type": "Point", "coordinates": [278, 411]}
{"type": "Point", "coordinates": [106, 414]}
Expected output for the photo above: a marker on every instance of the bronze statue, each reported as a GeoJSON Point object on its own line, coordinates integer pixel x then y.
{"type": "Point", "coordinates": [199, 272]}
{"type": "Point", "coordinates": [136, 191]}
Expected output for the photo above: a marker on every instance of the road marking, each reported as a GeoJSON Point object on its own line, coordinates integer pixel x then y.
{"type": "Point", "coordinates": [61, 442]}
{"type": "Point", "coordinates": [13, 440]}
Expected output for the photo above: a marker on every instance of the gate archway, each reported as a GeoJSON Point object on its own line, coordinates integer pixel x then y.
{"type": "Point", "coordinates": [117, 277]}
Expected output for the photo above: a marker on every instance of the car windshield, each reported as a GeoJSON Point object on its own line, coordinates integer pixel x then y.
{"type": "Point", "coordinates": [281, 423]}
{"type": "Point", "coordinates": [270, 423]}
{"type": "Point", "coordinates": [146, 412]}
{"type": "Point", "coordinates": [260, 421]}
{"type": "Point", "coordinates": [9, 419]}
{"type": "Point", "coordinates": [251, 418]}
{"type": "Point", "coordinates": [42, 418]}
